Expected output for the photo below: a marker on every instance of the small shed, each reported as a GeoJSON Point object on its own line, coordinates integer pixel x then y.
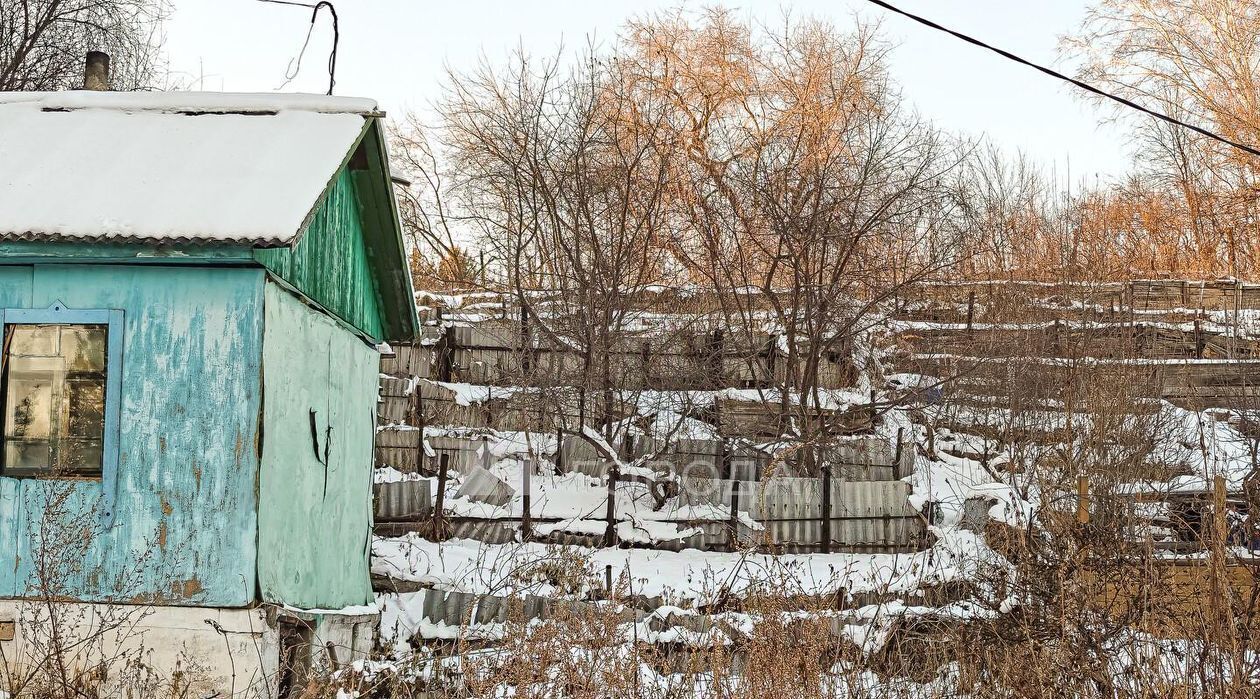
{"type": "Point", "coordinates": [193, 287]}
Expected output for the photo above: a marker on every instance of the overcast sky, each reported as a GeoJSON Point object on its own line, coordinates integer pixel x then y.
{"type": "Point", "coordinates": [395, 51]}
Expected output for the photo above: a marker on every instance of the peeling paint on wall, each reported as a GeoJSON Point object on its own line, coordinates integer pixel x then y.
{"type": "Point", "coordinates": [185, 496]}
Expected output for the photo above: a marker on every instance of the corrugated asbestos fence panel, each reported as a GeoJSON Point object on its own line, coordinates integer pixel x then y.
{"type": "Point", "coordinates": [463, 454]}
{"type": "Point", "coordinates": [464, 608]}
{"type": "Point", "coordinates": [393, 410]}
{"type": "Point", "coordinates": [403, 500]}
{"type": "Point", "coordinates": [482, 486]}
{"type": "Point", "coordinates": [399, 448]}
{"type": "Point", "coordinates": [398, 437]}
{"type": "Point", "coordinates": [864, 513]}
{"type": "Point", "coordinates": [410, 360]}
{"type": "Point", "coordinates": [485, 531]}
{"type": "Point", "coordinates": [405, 459]}
{"type": "Point", "coordinates": [862, 460]}
{"type": "Point", "coordinates": [395, 387]}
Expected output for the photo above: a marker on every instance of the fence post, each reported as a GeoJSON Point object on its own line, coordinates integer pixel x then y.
{"type": "Point", "coordinates": [971, 309]}
{"type": "Point", "coordinates": [1219, 524]}
{"type": "Point", "coordinates": [438, 524]}
{"type": "Point", "coordinates": [527, 350]}
{"type": "Point", "coordinates": [772, 356]}
{"type": "Point", "coordinates": [559, 450]}
{"type": "Point", "coordinates": [527, 523]}
{"type": "Point", "coordinates": [897, 457]}
{"type": "Point", "coordinates": [826, 509]}
{"type": "Point", "coordinates": [734, 542]}
{"type": "Point", "coordinates": [610, 533]}
{"type": "Point", "coordinates": [1233, 336]}
{"type": "Point", "coordinates": [446, 351]}
{"type": "Point", "coordinates": [717, 350]}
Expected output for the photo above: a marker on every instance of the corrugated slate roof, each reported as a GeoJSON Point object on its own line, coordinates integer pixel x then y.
{"type": "Point", "coordinates": [170, 167]}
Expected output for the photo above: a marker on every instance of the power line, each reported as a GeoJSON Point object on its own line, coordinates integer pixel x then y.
{"type": "Point", "coordinates": [1055, 74]}
{"type": "Point", "coordinates": [291, 72]}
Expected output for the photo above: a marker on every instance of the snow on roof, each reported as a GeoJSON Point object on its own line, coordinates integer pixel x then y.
{"type": "Point", "coordinates": [169, 166]}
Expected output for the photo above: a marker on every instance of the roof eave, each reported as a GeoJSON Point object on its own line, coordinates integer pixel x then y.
{"type": "Point", "coordinates": [386, 251]}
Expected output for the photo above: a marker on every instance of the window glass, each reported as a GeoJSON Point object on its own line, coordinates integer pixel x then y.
{"type": "Point", "coordinates": [54, 399]}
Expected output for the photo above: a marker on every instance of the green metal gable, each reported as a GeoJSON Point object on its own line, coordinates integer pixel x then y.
{"type": "Point", "coordinates": [329, 263]}
{"type": "Point", "coordinates": [350, 258]}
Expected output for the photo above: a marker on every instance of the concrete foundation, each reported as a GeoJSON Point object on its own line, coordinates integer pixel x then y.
{"type": "Point", "coordinates": [142, 650]}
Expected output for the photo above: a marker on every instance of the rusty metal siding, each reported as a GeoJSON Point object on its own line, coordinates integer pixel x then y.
{"type": "Point", "coordinates": [315, 486]}
{"type": "Point", "coordinates": [184, 527]}
{"type": "Point", "coordinates": [330, 262]}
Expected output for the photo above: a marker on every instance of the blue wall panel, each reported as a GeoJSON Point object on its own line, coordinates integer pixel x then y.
{"type": "Point", "coordinates": [185, 524]}
{"type": "Point", "coordinates": [15, 290]}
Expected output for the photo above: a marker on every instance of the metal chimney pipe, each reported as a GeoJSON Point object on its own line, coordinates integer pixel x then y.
{"type": "Point", "coordinates": [96, 71]}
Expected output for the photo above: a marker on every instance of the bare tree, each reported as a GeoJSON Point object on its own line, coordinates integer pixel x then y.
{"type": "Point", "coordinates": [566, 194]}
{"type": "Point", "coordinates": [43, 42]}
{"type": "Point", "coordinates": [804, 194]}
{"type": "Point", "coordinates": [1198, 60]}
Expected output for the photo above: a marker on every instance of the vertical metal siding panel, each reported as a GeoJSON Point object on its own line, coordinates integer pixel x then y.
{"type": "Point", "coordinates": [353, 368]}
{"type": "Point", "coordinates": [185, 526]}
{"type": "Point", "coordinates": [314, 517]}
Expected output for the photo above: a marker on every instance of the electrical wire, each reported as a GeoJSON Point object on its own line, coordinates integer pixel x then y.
{"type": "Point", "coordinates": [295, 65]}
{"type": "Point", "coordinates": [1055, 74]}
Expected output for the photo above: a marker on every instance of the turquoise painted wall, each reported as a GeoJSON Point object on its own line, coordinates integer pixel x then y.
{"type": "Point", "coordinates": [185, 527]}
{"type": "Point", "coordinates": [330, 264]}
{"type": "Point", "coordinates": [315, 513]}
{"type": "Point", "coordinates": [15, 290]}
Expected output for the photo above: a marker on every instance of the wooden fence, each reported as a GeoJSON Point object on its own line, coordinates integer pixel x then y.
{"type": "Point", "coordinates": [1193, 384]}
{"type": "Point", "coordinates": [1118, 340]}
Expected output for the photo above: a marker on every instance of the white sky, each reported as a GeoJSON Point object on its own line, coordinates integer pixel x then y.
{"type": "Point", "coordinates": [395, 51]}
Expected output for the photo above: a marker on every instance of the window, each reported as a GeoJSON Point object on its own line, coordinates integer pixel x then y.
{"type": "Point", "coordinates": [59, 381]}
